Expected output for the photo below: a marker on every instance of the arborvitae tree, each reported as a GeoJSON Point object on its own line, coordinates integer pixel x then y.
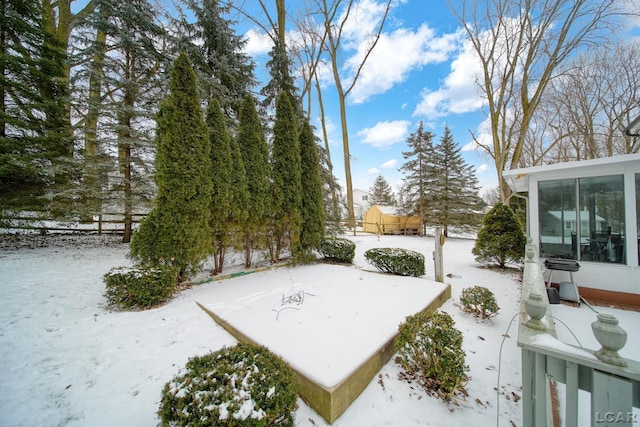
{"type": "Point", "coordinates": [240, 197]}
{"type": "Point", "coordinates": [312, 231]}
{"type": "Point", "coordinates": [455, 196]}
{"type": "Point", "coordinates": [501, 238]}
{"type": "Point", "coordinates": [381, 193]}
{"type": "Point", "coordinates": [177, 231]}
{"type": "Point", "coordinates": [36, 144]}
{"type": "Point", "coordinates": [255, 156]}
{"type": "Point", "coordinates": [221, 170]}
{"type": "Point", "coordinates": [417, 188]}
{"type": "Point", "coordinates": [224, 71]}
{"type": "Point", "coordinates": [331, 195]}
{"type": "Point", "coordinates": [286, 175]}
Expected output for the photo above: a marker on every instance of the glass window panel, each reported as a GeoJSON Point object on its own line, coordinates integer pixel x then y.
{"type": "Point", "coordinates": [602, 217]}
{"type": "Point", "coordinates": [638, 213]}
{"type": "Point", "coordinates": [557, 216]}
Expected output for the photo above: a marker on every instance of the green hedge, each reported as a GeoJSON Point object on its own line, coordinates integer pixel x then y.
{"type": "Point", "coordinates": [402, 262]}
{"type": "Point", "coordinates": [143, 287]}
{"type": "Point", "coordinates": [430, 351]}
{"type": "Point", "coordinates": [243, 385]}
{"type": "Point", "coordinates": [338, 249]}
{"type": "Point", "coordinates": [479, 301]}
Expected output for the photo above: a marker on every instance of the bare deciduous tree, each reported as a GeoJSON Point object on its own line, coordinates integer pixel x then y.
{"type": "Point", "coordinates": [520, 45]}
{"type": "Point", "coordinates": [590, 104]}
{"type": "Point", "coordinates": [335, 22]}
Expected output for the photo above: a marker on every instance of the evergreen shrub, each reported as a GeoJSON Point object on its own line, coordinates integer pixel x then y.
{"type": "Point", "coordinates": [402, 262]}
{"type": "Point", "coordinates": [143, 287]}
{"type": "Point", "coordinates": [430, 351]}
{"type": "Point", "coordinates": [479, 301]}
{"type": "Point", "coordinates": [243, 385]}
{"type": "Point", "coordinates": [338, 249]}
{"type": "Point", "coordinates": [501, 238]}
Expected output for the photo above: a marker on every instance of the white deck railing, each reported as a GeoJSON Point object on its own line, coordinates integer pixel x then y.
{"type": "Point", "coordinates": [613, 381]}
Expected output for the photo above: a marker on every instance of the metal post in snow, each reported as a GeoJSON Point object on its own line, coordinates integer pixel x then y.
{"type": "Point", "coordinates": [437, 255]}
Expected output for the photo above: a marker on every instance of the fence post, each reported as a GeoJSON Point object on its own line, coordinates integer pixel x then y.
{"type": "Point", "coordinates": [437, 257]}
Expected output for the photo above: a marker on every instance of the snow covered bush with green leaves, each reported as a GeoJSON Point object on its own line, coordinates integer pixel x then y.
{"type": "Point", "coordinates": [402, 262]}
{"type": "Point", "coordinates": [143, 287]}
{"type": "Point", "coordinates": [430, 351]}
{"type": "Point", "coordinates": [243, 385]}
{"type": "Point", "coordinates": [338, 249]}
{"type": "Point", "coordinates": [479, 301]}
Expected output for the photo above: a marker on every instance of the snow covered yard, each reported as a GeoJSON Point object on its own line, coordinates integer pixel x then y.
{"type": "Point", "coordinates": [69, 361]}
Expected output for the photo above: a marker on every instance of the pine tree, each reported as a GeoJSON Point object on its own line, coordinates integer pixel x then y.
{"type": "Point", "coordinates": [501, 238]}
{"type": "Point", "coordinates": [121, 57]}
{"type": "Point", "coordinates": [255, 156]}
{"type": "Point", "coordinates": [417, 189]}
{"type": "Point", "coordinates": [36, 142]}
{"type": "Point", "coordinates": [281, 80]}
{"type": "Point", "coordinates": [286, 175]}
{"type": "Point", "coordinates": [224, 71]}
{"type": "Point", "coordinates": [381, 193]}
{"type": "Point", "coordinates": [221, 170]}
{"type": "Point", "coordinates": [455, 196]}
{"type": "Point", "coordinates": [177, 231]}
{"type": "Point", "coordinates": [312, 231]}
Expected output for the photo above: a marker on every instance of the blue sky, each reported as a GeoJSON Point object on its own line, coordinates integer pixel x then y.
{"type": "Point", "coordinates": [421, 70]}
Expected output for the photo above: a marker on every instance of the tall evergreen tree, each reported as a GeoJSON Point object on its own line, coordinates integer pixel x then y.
{"type": "Point", "coordinates": [312, 231]}
{"type": "Point", "coordinates": [255, 156]}
{"type": "Point", "coordinates": [281, 80]}
{"type": "Point", "coordinates": [455, 194]}
{"type": "Point", "coordinates": [381, 193]}
{"type": "Point", "coordinates": [177, 232]}
{"type": "Point", "coordinates": [124, 69]}
{"type": "Point", "coordinates": [36, 144]}
{"type": "Point", "coordinates": [286, 175]}
{"type": "Point", "coordinates": [417, 189]}
{"type": "Point", "coordinates": [240, 197]}
{"type": "Point", "coordinates": [221, 172]}
{"type": "Point", "coordinates": [224, 71]}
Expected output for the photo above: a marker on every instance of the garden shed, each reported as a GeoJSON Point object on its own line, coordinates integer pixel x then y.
{"type": "Point", "coordinates": [382, 219]}
{"type": "Point", "coordinates": [588, 211]}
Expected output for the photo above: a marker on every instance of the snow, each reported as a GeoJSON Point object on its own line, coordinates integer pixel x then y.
{"type": "Point", "coordinates": [335, 328]}
{"type": "Point", "coordinates": [70, 361]}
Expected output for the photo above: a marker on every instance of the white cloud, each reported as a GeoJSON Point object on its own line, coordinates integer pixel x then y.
{"type": "Point", "coordinates": [258, 43]}
{"type": "Point", "coordinates": [482, 168]}
{"type": "Point", "coordinates": [458, 93]}
{"type": "Point", "coordinates": [385, 134]}
{"type": "Point", "coordinates": [395, 56]}
{"type": "Point", "coordinates": [373, 171]}
{"type": "Point", "coordinates": [389, 164]}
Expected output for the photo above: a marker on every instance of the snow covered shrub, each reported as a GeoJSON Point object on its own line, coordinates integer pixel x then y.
{"type": "Point", "coordinates": [479, 301]}
{"type": "Point", "coordinates": [338, 249]}
{"type": "Point", "coordinates": [243, 385]}
{"type": "Point", "coordinates": [144, 287]}
{"type": "Point", "coordinates": [430, 351]}
{"type": "Point", "coordinates": [501, 238]}
{"type": "Point", "coordinates": [402, 262]}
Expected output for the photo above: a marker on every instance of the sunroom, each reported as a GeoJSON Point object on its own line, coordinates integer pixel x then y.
{"type": "Point", "coordinates": [588, 211]}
